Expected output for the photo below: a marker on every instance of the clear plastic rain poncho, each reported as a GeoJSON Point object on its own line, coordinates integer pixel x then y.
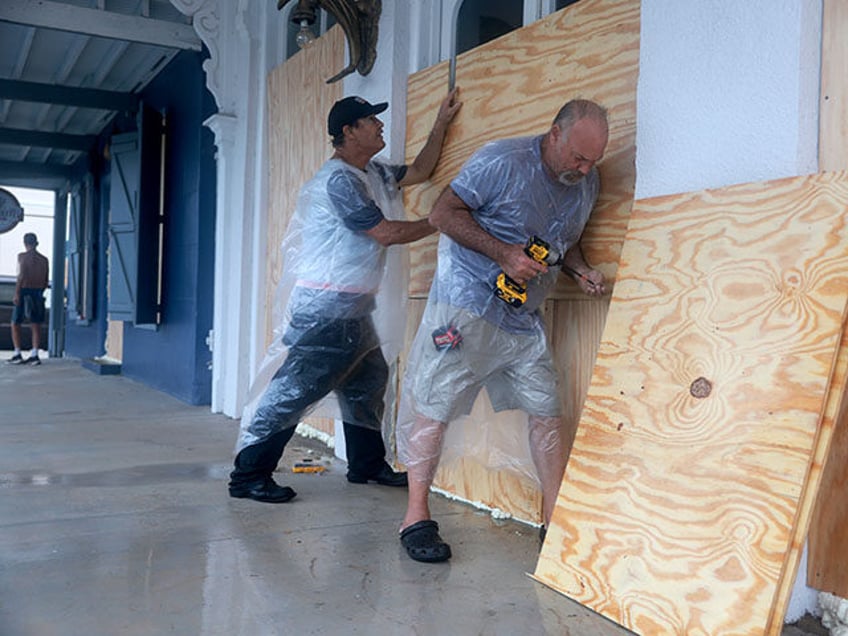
{"type": "Point", "coordinates": [471, 339]}
{"type": "Point", "coordinates": [331, 276]}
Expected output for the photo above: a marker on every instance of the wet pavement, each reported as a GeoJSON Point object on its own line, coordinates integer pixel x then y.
{"type": "Point", "coordinates": [115, 520]}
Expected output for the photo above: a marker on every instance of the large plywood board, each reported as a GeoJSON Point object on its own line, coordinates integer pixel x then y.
{"type": "Point", "coordinates": [828, 533]}
{"type": "Point", "coordinates": [681, 505]}
{"type": "Point", "coordinates": [514, 86]}
{"type": "Point", "coordinates": [510, 87]}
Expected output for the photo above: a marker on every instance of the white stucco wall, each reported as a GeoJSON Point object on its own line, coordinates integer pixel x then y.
{"type": "Point", "coordinates": [728, 93]}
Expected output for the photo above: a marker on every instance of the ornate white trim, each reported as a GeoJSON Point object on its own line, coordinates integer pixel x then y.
{"type": "Point", "coordinates": [234, 32]}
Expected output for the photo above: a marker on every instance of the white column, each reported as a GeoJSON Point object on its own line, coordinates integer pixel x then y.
{"type": "Point", "coordinates": [244, 42]}
{"type": "Point", "coordinates": [229, 378]}
{"type": "Point", "coordinates": [225, 28]}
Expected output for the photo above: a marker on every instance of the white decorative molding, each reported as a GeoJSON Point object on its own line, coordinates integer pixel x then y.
{"type": "Point", "coordinates": [233, 32]}
{"type": "Point", "coordinates": [207, 16]}
{"type": "Point", "coordinates": [227, 380]}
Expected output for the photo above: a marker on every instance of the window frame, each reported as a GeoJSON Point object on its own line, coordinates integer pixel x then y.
{"type": "Point", "coordinates": [533, 10]}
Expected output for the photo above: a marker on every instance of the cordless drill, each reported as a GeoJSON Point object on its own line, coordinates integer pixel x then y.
{"type": "Point", "coordinates": [509, 290]}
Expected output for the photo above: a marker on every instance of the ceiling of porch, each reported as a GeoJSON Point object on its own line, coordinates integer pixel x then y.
{"type": "Point", "coordinates": [68, 68]}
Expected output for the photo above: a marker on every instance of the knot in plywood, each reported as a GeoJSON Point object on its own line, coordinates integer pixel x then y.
{"type": "Point", "coordinates": [701, 388]}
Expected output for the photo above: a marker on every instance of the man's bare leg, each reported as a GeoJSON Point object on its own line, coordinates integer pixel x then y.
{"type": "Point", "coordinates": [35, 329]}
{"type": "Point", "coordinates": [549, 457]}
{"type": "Point", "coordinates": [424, 451]}
{"type": "Point", "coordinates": [16, 336]}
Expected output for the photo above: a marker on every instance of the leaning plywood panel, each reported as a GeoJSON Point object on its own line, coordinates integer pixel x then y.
{"type": "Point", "coordinates": [831, 441]}
{"type": "Point", "coordinates": [514, 86]}
{"type": "Point", "coordinates": [827, 565]}
{"type": "Point", "coordinates": [680, 500]}
{"type": "Point", "coordinates": [828, 539]}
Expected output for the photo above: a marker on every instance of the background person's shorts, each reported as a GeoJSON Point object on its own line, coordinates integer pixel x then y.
{"type": "Point", "coordinates": [517, 370]}
{"type": "Point", "coordinates": [31, 306]}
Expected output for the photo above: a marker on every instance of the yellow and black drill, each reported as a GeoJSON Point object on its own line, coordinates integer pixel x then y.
{"type": "Point", "coordinates": [509, 290]}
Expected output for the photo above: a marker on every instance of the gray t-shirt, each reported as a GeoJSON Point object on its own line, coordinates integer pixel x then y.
{"type": "Point", "coordinates": [513, 198]}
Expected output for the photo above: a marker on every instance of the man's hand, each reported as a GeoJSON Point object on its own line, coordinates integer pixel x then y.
{"type": "Point", "coordinates": [425, 162]}
{"type": "Point", "coordinates": [590, 280]}
{"type": "Point", "coordinates": [518, 266]}
{"type": "Point", "coordinates": [592, 283]}
{"type": "Point", "coordinates": [449, 108]}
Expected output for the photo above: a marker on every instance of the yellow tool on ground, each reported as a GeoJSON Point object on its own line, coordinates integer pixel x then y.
{"type": "Point", "coordinates": [510, 291]}
{"type": "Point", "coordinates": [306, 466]}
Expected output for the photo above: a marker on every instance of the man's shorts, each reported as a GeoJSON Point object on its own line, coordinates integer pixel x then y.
{"type": "Point", "coordinates": [31, 306]}
{"type": "Point", "coordinates": [517, 370]}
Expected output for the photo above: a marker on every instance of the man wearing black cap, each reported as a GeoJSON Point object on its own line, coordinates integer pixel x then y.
{"type": "Point", "coordinates": [334, 256]}
{"type": "Point", "coordinates": [33, 274]}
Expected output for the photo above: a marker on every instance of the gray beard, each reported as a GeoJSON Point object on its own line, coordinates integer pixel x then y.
{"type": "Point", "coordinates": [570, 177]}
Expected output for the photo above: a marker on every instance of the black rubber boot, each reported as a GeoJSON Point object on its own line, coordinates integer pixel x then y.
{"type": "Point", "coordinates": [366, 458]}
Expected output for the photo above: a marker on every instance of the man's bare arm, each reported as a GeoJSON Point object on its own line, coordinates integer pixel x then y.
{"type": "Point", "coordinates": [388, 232]}
{"type": "Point", "coordinates": [453, 217]}
{"type": "Point", "coordinates": [425, 162]}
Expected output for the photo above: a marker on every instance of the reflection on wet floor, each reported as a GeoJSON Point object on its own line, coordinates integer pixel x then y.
{"type": "Point", "coordinates": [129, 476]}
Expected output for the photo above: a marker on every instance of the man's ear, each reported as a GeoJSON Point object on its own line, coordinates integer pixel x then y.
{"type": "Point", "coordinates": [556, 132]}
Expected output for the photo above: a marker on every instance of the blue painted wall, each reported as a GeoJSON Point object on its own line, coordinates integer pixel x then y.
{"type": "Point", "coordinates": [173, 358]}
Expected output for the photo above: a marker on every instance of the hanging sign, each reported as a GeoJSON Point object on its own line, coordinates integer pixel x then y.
{"type": "Point", "coordinates": [11, 212]}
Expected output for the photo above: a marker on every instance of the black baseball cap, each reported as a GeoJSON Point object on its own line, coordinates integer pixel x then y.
{"type": "Point", "coordinates": [346, 111]}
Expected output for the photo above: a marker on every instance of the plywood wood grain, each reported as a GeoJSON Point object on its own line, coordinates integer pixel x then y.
{"type": "Point", "coordinates": [833, 104]}
{"type": "Point", "coordinates": [574, 331]}
{"type": "Point", "coordinates": [510, 87]}
{"type": "Point", "coordinates": [504, 492]}
{"type": "Point", "coordinates": [514, 86]}
{"type": "Point", "coordinates": [678, 513]}
{"type": "Point", "coordinates": [828, 442]}
{"type": "Point", "coordinates": [828, 535]}
{"type": "Point", "coordinates": [827, 563]}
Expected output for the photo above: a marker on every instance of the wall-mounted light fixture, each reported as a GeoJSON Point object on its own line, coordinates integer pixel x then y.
{"type": "Point", "coordinates": [358, 19]}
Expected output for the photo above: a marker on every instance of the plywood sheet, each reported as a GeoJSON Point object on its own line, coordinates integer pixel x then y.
{"type": "Point", "coordinates": [833, 104]}
{"type": "Point", "coordinates": [831, 440]}
{"type": "Point", "coordinates": [514, 86]}
{"type": "Point", "coordinates": [828, 537]}
{"type": "Point", "coordinates": [677, 512]}
{"type": "Point", "coordinates": [828, 532]}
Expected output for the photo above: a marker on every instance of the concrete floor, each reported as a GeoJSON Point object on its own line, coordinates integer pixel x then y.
{"type": "Point", "coordinates": [115, 520]}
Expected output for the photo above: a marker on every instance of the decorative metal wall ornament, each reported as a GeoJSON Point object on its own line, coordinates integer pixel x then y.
{"type": "Point", "coordinates": [11, 212]}
{"type": "Point", "coordinates": [358, 19]}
